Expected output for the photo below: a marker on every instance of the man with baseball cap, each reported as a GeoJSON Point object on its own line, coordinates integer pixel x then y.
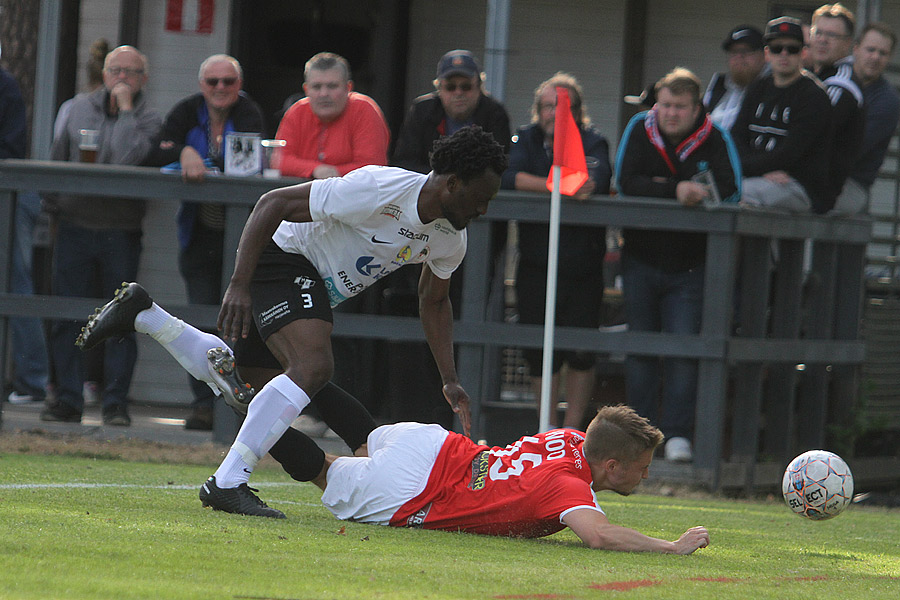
{"type": "Point", "coordinates": [746, 63]}
{"type": "Point", "coordinates": [783, 130]}
{"type": "Point", "coordinates": [458, 100]}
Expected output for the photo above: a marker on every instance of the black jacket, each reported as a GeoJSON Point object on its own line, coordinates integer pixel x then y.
{"type": "Point", "coordinates": [424, 124]}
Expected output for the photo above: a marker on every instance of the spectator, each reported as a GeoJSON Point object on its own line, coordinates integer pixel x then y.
{"type": "Point", "coordinates": [29, 347]}
{"type": "Point", "coordinates": [100, 236]}
{"type": "Point", "coordinates": [334, 130]}
{"type": "Point", "coordinates": [746, 63]}
{"type": "Point", "coordinates": [660, 153]}
{"type": "Point", "coordinates": [194, 134]}
{"type": "Point", "coordinates": [871, 55]}
{"type": "Point", "coordinates": [458, 100]}
{"type": "Point", "coordinates": [783, 131]}
{"type": "Point", "coordinates": [831, 42]}
{"type": "Point", "coordinates": [581, 249]}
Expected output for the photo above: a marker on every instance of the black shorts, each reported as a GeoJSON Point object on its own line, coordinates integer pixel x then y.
{"type": "Point", "coordinates": [578, 300]}
{"type": "Point", "coordinates": [285, 287]}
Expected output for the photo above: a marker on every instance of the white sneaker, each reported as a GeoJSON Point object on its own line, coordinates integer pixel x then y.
{"type": "Point", "coordinates": [91, 393]}
{"type": "Point", "coordinates": [678, 449]}
{"type": "Point", "coordinates": [17, 398]}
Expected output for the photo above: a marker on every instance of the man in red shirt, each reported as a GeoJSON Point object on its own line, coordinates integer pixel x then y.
{"type": "Point", "coordinates": [419, 475]}
{"type": "Point", "coordinates": [333, 130]}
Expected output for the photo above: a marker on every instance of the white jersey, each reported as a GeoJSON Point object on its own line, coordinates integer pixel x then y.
{"type": "Point", "coordinates": [365, 225]}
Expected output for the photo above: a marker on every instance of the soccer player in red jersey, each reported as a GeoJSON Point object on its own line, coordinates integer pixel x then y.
{"type": "Point", "coordinates": [419, 475]}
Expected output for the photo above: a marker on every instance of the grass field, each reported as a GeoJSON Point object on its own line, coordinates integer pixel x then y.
{"type": "Point", "coordinates": [81, 527]}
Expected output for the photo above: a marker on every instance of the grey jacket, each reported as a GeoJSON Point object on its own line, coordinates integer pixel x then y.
{"type": "Point", "coordinates": [125, 139]}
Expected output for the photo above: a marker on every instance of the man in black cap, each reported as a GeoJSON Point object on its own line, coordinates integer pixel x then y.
{"type": "Point", "coordinates": [746, 63]}
{"type": "Point", "coordinates": [783, 130]}
{"type": "Point", "coordinates": [458, 100]}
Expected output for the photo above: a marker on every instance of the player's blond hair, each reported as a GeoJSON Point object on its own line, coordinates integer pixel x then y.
{"type": "Point", "coordinates": [620, 433]}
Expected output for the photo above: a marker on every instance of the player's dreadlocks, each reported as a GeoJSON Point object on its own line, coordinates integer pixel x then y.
{"type": "Point", "coordinates": [467, 153]}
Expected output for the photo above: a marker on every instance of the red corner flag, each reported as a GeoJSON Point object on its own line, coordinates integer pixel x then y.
{"type": "Point", "coordinates": [568, 151]}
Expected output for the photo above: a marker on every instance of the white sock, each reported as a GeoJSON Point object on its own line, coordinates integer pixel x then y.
{"type": "Point", "coordinates": [183, 341]}
{"type": "Point", "coordinates": [269, 415]}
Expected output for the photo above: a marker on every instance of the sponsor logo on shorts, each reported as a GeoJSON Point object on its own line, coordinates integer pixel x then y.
{"type": "Point", "coordinates": [304, 282]}
{"type": "Point", "coordinates": [393, 211]}
{"type": "Point", "coordinates": [412, 235]}
{"type": "Point", "coordinates": [479, 471]}
{"type": "Point", "coordinates": [270, 314]}
{"type": "Point", "coordinates": [365, 266]}
{"type": "Point", "coordinates": [417, 519]}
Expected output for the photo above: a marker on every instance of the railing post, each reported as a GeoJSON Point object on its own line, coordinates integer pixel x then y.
{"type": "Point", "coordinates": [473, 309]}
{"type": "Point", "coordinates": [7, 227]}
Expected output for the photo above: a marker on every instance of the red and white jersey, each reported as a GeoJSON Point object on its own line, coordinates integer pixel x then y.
{"type": "Point", "coordinates": [523, 490]}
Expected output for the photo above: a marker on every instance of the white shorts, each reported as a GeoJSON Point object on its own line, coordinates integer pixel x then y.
{"type": "Point", "coordinates": [371, 489]}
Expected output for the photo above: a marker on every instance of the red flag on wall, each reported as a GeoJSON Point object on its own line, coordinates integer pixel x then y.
{"type": "Point", "coordinates": [190, 16]}
{"type": "Point", "coordinates": [568, 151]}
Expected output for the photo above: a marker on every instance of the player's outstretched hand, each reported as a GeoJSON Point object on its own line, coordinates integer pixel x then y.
{"type": "Point", "coordinates": [690, 540]}
{"type": "Point", "coordinates": [459, 402]}
{"type": "Point", "coordinates": [235, 316]}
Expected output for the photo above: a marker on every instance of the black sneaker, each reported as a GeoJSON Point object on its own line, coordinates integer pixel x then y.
{"type": "Point", "coordinates": [116, 416]}
{"type": "Point", "coordinates": [240, 500]}
{"type": "Point", "coordinates": [235, 392]}
{"type": "Point", "coordinates": [116, 317]}
{"type": "Point", "coordinates": [62, 413]}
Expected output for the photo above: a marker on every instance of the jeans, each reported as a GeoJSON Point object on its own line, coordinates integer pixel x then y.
{"type": "Point", "coordinates": [200, 265]}
{"type": "Point", "coordinates": [82, 256]}
{"type": "Point", "coordinates": [29, 344]}
{"type": "Point", "coordinates": [660, 301]}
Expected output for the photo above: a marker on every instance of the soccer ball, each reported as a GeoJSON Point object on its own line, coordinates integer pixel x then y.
{"type": "Point", "coordinates": [817, 485]}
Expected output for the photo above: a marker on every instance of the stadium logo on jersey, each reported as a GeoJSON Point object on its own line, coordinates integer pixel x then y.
{"type": "Point", "coordinates": [305, 282]}
{"type": "Point", "coordinates": [479, 471]}
{"type": "Point", "coordinates": [365, 267]}
{"type": "Point", "coordinates": [393, 211]}
{"type": "Point", "coordinates": [404, 255]}
{"type": "Point", "coordinates": [412, 235]}
{"type": "Point", "coordinates": [417, 519]}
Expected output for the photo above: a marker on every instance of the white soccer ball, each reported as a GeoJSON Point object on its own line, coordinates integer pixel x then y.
{"type": "Point", "coordinates": [817, 485]}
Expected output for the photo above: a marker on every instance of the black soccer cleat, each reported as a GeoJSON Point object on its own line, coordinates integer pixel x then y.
{"type": "Point", "coordinates": [116, 317]}
{"type": "Point", "coordinates": [240, 500]}
{"type": "Point", "coordinates": [235, 392]}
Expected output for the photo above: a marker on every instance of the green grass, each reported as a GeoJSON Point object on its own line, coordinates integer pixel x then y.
{"type": "Point", "coordinates": [144, 535]}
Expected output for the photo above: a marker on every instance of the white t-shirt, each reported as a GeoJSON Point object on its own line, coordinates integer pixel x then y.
{"type": "Point", "coordinates": [365, 225]}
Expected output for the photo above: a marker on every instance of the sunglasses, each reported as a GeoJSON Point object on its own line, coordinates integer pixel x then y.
{"type": "Point", "coordinates": [226, 81]}
{"type": "Point", "coordinates": [778, 49]}
{"type": "Point", "coordinates": [465, 86]}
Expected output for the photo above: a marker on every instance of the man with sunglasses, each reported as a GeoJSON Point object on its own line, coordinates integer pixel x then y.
{"type": "Point", "coordinates": [333, 130]}
{"type": "Point", "coordinates": [831, 42]}
{"type": "Point", "coordinates": [193, 136]}
{"type": "Point", "coordinates": [99, 238]}
{"type": "Point", "coordinates": [783, 131]}
{"type": "Point", "coordinates": [459, 99]}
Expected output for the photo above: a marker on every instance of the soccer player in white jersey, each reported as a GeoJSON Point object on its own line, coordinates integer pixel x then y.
{"type": "Point", "coordinates": [424, 476]}
{"type": "Point", "coordinates": [304, 249]}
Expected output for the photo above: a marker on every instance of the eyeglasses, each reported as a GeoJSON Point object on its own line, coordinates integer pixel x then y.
{"type": "Point", "coordinates": [116, 71]}
{"type": "Point", "coordinates": [778, 49]}
{"type": "Point", "coordinates": [214, 81]}
{"type": "Point", "coordinates": [465, 86]}
{"type": "Point", "coordinates": [831, 35]}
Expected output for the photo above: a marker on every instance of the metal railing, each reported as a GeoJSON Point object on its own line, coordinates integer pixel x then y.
{"type": "Point", "coordinates": [757, 346]}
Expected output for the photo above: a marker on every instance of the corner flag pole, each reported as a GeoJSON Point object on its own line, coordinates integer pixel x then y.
{"type": "Point", "coordinates": [550, 308]}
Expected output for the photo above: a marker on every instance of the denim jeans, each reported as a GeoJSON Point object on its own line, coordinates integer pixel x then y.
{"type": "Point", "coordinates": [82, 256]}
{"type": "Point", "coordinates": [660, 301]}
{"type": "Point", "coordinates": [29, 344]}
{"type": "Point", "coordinates": [200, 265]}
